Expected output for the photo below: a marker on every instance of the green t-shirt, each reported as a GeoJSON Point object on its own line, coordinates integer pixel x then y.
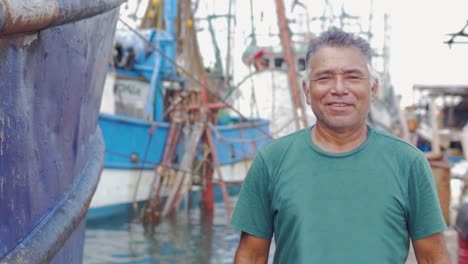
{"type": "Point", "coordinates": [361, 206]}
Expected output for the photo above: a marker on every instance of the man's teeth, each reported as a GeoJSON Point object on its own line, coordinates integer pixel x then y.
{"type": "Point", "coordinates": [338, 104]}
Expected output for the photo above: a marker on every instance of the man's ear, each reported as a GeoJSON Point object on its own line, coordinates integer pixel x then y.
{"type": "Point", "coordinates": [374, 88]}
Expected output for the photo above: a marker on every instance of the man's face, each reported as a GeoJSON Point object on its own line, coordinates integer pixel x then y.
{"type": "Point", "coordinates": [340, 89]}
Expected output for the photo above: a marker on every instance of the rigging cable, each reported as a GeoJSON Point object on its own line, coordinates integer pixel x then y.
{"type": "Point", "coordinates": [190, 76]}
{"type": "Point", "coordinates": [145, 155]}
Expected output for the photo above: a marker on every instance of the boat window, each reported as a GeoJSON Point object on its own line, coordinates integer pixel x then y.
{"type": "Point", "coordinates": [279, 63]}
{"type": "Point", "coordinates": [130, 97]}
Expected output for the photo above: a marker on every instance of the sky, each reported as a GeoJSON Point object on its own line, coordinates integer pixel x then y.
{"type": "Point", "coordinates": [418, 54]}
{"type": "Point", "coordinates": [417, 31]}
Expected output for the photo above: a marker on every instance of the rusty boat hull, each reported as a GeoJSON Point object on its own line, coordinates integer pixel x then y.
{"type": "Point", "coordinates": [54, 57]}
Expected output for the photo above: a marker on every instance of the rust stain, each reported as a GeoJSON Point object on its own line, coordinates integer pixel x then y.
{"type": "Point", "coordinates": [27, 15]}
{"type": "Point", "coordinates": [18, 41]}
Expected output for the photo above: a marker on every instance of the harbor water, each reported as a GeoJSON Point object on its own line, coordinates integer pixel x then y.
{"type": "Point", "coordinates": [190, 236]}
{"type": "Point", "coordinates": [193, 238]}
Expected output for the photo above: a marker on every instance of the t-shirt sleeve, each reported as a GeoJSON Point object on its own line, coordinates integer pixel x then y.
{"type": "Point", "coordinates": [425, 215]}
{"type": "Point", "coordinates": [253, 214]}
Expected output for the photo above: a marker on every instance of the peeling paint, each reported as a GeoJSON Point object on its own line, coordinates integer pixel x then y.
{"type": "Point", "coordinates": [11, 204]}
{"type": "Point", "coordinates": [19, 41]}
{"type": "Point", "coordinates": [33, 154]}
{"type": "Point", "coordinates": [2, 138]}
{"type": "Point", "coordinates": [2, 182]}
{"type": "Point", "coordinates": [2, 133]}
{"type": "Point", "coordinates": [28, 39]}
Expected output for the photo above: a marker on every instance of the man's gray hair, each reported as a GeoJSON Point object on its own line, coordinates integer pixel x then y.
{"type": "Point", "coordinates": [341, 39]}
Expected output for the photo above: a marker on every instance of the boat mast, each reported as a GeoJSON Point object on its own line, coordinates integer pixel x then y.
{"type": "Point", "coordinates": [227, 75]}
{"type": "Point", "coordinates": [254, 38]}
{"type": "Point", "coordinates": [290, 60]}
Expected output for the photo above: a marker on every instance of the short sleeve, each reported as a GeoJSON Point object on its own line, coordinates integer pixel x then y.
{"type": "Point", "coordinates": [252, 213]}
{"type": "Point", "coordinates": [425, 215]}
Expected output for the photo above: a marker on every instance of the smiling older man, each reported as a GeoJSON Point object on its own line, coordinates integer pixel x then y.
{"type": "Point", "coordinates": [340, 191]}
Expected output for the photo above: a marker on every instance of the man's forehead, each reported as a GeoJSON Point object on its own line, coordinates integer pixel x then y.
{"type": "Point", "coordinates": [338, 60]}
{"type": "Point", "coordinates": [343, 53]}
{"type": "Point", "coordinates": [338, 49]}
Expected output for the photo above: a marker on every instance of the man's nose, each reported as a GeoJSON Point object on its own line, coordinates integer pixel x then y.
{"type": "Point", "coordinates": [340, 85]}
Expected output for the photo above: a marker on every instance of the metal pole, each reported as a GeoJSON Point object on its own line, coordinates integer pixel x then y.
{"type": "Point", "coordinates": [291, 64]}
{"type": "Point", "coordinates": [208, 193]}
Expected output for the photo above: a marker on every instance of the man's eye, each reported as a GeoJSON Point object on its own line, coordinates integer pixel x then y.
{"type": "Point", "coordinates": [354, 78]}
{"type": "Point", "coordinates": [322, 78]}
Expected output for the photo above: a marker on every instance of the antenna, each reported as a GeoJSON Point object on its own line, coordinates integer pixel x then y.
{"type": "Point", "coordinates": [455, 35]}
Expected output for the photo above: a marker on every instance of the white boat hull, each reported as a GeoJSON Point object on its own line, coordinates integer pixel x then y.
{"type": "Point", "coordinates": [117, 186]}
{"type": "Point", "coordinates": [115, 191]}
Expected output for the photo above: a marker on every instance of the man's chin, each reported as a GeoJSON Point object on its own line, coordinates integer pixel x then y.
{"type": "Point", "coordinates": [343, 124]}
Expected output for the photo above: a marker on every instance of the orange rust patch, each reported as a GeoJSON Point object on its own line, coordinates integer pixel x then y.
{"type": "Point", "coordinates": [27, 15]}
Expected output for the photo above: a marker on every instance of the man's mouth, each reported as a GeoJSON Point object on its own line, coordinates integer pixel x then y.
{"type": "Point", "coordinates": [336, 104]}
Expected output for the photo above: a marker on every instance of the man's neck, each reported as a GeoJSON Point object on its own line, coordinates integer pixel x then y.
{"type": "Point", "coordinates": [338, 140]}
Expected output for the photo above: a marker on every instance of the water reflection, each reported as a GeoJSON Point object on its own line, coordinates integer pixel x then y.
{"type": "Point", "coordinates": [193, 237]}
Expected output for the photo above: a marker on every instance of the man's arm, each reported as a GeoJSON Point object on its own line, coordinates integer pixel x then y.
{"type": "Point", "coordinates": [431, 249]}
{"type": "Point", "coordinates": [252, 250]}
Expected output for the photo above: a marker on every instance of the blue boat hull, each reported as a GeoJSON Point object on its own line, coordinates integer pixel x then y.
{"type": "Point", "coordinates": [126, 136]}
{"type": "Point", "coordinates": [140, 94]}
{"type": "Point", "coordinates": [132, 156]}
{"type": "Point", "coordinates": [51, 149]}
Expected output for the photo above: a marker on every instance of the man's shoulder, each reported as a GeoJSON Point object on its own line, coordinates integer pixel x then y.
{"type": "Point", "coordinates": [395, 145]}
{"type": "Point", "coordinates": [285, 141]}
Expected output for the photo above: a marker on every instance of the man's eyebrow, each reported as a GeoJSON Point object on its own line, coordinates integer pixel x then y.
{"type": "Point", "coordinates": [327, 72]}
{"type": "Point", "coordinates": [323, 72]}
{"type": "Point", "coordinates": [354, 71]}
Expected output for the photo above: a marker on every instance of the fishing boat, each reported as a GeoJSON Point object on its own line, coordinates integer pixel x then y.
{"type": "Point", "coordinates": [54, 57]}
{"type": "Point", "coordinates": [165, 127]}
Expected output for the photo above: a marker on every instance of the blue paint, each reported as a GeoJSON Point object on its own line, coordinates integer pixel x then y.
{"type": "Point", "coordinates": [72, 250]}
{"type": "Point", "coordinates": [50, 94]}
{"type": "Point", "coordinates": [170, 16]}
{"type": "Point", "coordinates": [108, 211]}
{"type": "Point", "coordinates": [125, 136]}
{"type": "Point", "coordinates": [236, 142]}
